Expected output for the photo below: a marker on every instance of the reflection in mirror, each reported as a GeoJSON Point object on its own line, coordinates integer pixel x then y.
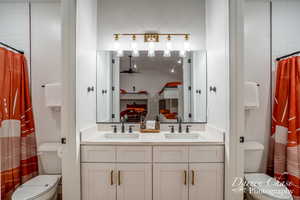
{"type": "Point", "coordinates": [143, 87]}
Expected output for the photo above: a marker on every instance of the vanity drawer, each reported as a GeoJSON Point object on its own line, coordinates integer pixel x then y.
{"type": "Point", "coordinates": [98, 153]}
{"type": "Point", "coordinates": [206, 154]}
{"type": "Point", "coordinates": [134, 154]}
{"type": "Point", "coordinates": [170, 154]}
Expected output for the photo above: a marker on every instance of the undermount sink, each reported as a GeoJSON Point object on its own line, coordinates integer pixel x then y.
{"type": "Point", "coordinates": [121, 135]}
{"type": "Point", "coordinates": [181, 135]}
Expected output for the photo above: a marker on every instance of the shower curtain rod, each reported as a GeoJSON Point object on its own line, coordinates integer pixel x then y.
{"type": "Point", "coordinates": [297, 52]}
{"type": "Point", "coordinates": [6, 45]}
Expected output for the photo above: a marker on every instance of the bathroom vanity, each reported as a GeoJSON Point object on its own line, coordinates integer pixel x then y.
{"type": "Point", "coordinates": [152, 166]}
{"type": "Point", "coordinates": [119, 163]}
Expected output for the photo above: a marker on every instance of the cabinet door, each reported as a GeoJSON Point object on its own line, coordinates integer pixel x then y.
{"type": "Point", "coordinates": [170, 181]}
{"type": "Point", "coordinates": [134, 182]}
{"type": "Point", "coordinates": [206, 181]}
{"type": "Point", "coordinates": [97, 181]}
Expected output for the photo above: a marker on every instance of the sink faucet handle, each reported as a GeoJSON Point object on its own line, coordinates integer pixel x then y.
{"type": "Point", "coordinates": [172, 128]}
{"type": "Point", "coordinates": [187, 128]}
{"type": "Point", "coordinates": [115, 128]}
{"type": "Point", "coordinates": [130, 128]}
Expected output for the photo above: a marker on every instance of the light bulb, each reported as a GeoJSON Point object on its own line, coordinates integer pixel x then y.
{"type": "Point", "coordinates": [117, 46]}
{"type": "Point", "coordinates": [167, 52]}
{"type": "Point", "coordinates": [187, 46]}
{"type": "Point", "coordinates": [134, 47]}
{"type": "Point", "coordinates": [151, 52]}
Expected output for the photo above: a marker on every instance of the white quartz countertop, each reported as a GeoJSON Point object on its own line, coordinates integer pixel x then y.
{"type": "Point", "coordinates": [98, 137]}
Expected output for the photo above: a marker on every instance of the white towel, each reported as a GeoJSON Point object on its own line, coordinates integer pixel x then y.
{"type": "Point", "coordinates": [251, 95]}
{"type": "Point", "coordinates": [53, 95]}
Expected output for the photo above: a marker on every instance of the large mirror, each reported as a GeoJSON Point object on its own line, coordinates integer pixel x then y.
{"type": "Point", "coordinates": [143, 87]}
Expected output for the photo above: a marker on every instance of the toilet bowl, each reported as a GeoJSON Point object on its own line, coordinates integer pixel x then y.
{"type": "Point", "coordinates": [43, 187]}
{"type": "Point", "coordinates": [263, 187]}
{"type": "Point", "coordinates": [259, 186]}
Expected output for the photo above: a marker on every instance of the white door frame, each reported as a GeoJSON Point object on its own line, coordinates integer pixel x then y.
{"type": "Point", "coordinates": [234, 165]}
{"type": "Point", "coordinates": [71, 152]}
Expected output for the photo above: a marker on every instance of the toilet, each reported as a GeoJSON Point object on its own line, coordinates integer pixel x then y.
{"type": "Point", "coordinates": [260, 186]}
{"type": "Point", "coordinates": [43, 187]}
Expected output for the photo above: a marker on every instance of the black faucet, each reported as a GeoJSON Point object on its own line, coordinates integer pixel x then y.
{"type": "Point", "coordinates": [187, 129]}
{"type": "Point", "coordinates": [122, 125]}
{"type": "Point", "coordinates": [172, 129]}
{"type": "Point", "coordinates": [115, 128]}
{"type": "Point", "coordinates": [179, 124]}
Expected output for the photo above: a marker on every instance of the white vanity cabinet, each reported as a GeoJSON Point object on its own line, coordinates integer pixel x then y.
{"type": "Point", "coordinates": [97, 181]}
{"type": "Point", "coordinates": [159, 171]}
{"type": "Point", "coordinates": [116, 181]}
{"type": "Point", "coordinates": [170, 181]}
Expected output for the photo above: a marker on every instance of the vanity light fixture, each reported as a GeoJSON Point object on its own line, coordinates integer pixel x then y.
{"type": "Point", "coordinates": [167, 52]}
{"type": "Point", "coordinates": [117, 46]}
{"type": "Point", "coordinates": [151, 39]}
{"type": "Point", "coordinates": [134, 47]}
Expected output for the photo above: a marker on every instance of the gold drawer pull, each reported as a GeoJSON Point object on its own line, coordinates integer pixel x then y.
{"type": "Point", "coordinates": [193, 177]}
{"type": "Point", "coordinates": [185, 177]}
{"type": "Point", "coordinates": [119, 177]}
{"type": "Point", "coordinates": [111, 177]}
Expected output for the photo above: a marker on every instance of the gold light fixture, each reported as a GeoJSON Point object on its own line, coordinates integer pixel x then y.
{"type": "Point", "coordinates": [153, 38]}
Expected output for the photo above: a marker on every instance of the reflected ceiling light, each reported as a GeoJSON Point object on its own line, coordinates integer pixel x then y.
{"type": "Point", "coordinates": [117, 46]}
{"type": "Point", "coordinates": [134, 47]}
{"type": "Point", "coordinates": [167, 52]}
{"type": "Point", "coordinates": [179, 61]}
{"type": "Point", "coordinates": [172, 70]}
{"type": "Point", "coordinates": [134, 66]}
{"type": "Point", "coordinates": [151, 51]}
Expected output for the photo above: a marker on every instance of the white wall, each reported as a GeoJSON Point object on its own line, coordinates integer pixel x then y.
{"type": "Point", "coordinates": [86, 46]}
{"type": "Point", "coordinates": [44, 38]}
{"type": "Point", "coordinates": [286, 29]}
{"type": "Point", "coordinates": [46, 67]}
{"type": "Point", "coordinates": [140, 16]}
{"type": "Point", "coordinates": [217, 63]}
{"type": "Point", "coordinates": [257, 69]}
{"type": "Point", "coordinates": [14, 23]}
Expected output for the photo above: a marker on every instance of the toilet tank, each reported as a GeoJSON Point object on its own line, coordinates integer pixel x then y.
{"type": "Point", "coordinates": [253, 155]}
{"type": "Point", "coordinates": [49, 159]}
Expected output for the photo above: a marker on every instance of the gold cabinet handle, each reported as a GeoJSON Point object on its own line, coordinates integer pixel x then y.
{"type": "Point", "coordinates": [111, 177]}
{"type": "Point", "coordinates": [193, 177]}
{"type": "Point", "coordinates": [185, 177]}
{"type": "Point", "coordinates": [119, 177]}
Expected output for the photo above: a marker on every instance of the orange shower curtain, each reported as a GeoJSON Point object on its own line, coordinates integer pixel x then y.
{"type": "Point", "coordinates": [18, 155]}
{"type": "Point", "coordinates": [284, 160]}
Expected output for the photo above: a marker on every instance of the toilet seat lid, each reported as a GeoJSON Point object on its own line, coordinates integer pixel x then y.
{"type": "Point", "coordinates": [268, 186]}
{"type": "Point", "coordinates": [36, 187]}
